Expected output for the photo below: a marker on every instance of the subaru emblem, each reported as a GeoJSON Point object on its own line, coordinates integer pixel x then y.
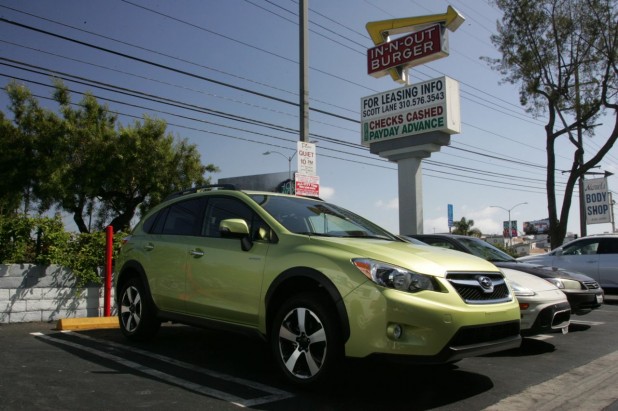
{"type": "Point", "coordinates": [486, 284]}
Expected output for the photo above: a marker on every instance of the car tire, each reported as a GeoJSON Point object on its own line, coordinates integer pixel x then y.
{"type": "Point", "coordinates": [136, 312]}
{"type": "Point", "coordinates": [305, 340]}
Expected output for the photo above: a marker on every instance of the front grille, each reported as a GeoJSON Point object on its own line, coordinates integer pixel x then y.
{"type": "Point", "coordinates": [591, 285]}
{"type": "Point", "coordinates": [484, 333]}
{"type": "Point", "coordinates": [480, 288]}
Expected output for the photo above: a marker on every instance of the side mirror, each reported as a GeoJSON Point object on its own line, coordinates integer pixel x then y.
{"type": "Point", "coordinates": [236, 228]}
{"type": "Point", "coordinates": [233, 228]}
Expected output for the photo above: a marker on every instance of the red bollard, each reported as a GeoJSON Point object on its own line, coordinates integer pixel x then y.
{"type": "Point", "coordinates": [107, 296]}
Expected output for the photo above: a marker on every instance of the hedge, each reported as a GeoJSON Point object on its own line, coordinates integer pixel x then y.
{"type": "Point", "coordinates": [44, 241]}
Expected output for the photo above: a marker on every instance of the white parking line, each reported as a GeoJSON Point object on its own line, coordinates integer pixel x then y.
{"type": "Point", "coordinates": [542, 337]}
{"type": "Point", "coordinates": [580, 322]}
{"type": "Point", "coordinates": [274, 393]}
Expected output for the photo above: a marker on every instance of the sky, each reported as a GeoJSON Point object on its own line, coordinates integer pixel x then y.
{"type": "Point", "coordinates": [225, 76]}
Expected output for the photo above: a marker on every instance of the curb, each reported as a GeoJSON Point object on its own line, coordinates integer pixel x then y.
{"type": "Point", "coordinates": [90, 323]}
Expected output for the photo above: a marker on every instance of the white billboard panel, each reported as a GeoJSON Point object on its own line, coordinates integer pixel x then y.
{"type": "Point", "coordinates": [597, 200]}
{"type": "Point", "coordinates": [432, 105]}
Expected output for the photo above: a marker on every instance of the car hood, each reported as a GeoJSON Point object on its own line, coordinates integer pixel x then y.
{"type": "Point", "coordinates": [533, 282]}
{"type": "Point", "coordinates": [544, 271]}
{"type": "Point", "coordinates": [419, 258]}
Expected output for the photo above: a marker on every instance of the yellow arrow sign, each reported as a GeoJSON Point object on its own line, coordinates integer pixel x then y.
{"type": "Point", "coordinates": [379, 31]}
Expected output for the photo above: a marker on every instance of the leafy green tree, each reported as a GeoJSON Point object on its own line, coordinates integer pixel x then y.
{"type": "Point", "coordinates": [464, 227]}
{"type": "Point", "coordinates": [134, 181]}
{"type": "Point", "coordinates": [13, 160]}
{"type": "Point", "coordinates": [82, 162]}
{"type": "Point", "coordinates": [563, 54]}
{"type": "Point", "coordinates": [29, 163]}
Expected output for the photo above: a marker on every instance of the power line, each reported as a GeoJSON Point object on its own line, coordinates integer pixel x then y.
{"type": "Point", "coordinates": [508, 183]}
{"type": "Point", "coordinates": [148, 96]}
{"type": "Point", "coordinates": [356, 121]}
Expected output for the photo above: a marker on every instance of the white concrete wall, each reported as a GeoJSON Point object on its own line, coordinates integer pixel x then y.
{"type": "Point", "coordinates": [37, 293]}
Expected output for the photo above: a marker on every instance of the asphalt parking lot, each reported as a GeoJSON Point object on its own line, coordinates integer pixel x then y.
{"type": "Point", "coordinates": [187, 367]}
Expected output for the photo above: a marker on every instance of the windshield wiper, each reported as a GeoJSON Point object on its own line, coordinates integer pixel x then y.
{"type": "Point", "coordinates": [315, 234]}
{"type": "Point", "coordinates": [379, 237]}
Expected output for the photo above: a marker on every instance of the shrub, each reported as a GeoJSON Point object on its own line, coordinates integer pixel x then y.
{"type": "Point", "coordinates": [43, 241]}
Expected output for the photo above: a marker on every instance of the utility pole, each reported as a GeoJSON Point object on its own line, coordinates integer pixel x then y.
{"type": "Point", "coordinates": [303, 10]}
{"type": "Point", "coordinates": [583, 231]}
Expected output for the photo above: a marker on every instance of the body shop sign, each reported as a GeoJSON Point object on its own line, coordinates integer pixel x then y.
{"type": "Point", "coordinates": [420, 108]}
{"type": "Point", "coordinates": [596, 195]}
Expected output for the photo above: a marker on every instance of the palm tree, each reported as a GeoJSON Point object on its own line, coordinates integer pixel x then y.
{"type": "Point", "coordinates": [464, 227]}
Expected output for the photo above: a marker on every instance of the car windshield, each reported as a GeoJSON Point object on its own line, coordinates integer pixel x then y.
{"type": "Point", "coordinates": [485, 250]}
{"type": "Point", "coordinates": [302, 215]}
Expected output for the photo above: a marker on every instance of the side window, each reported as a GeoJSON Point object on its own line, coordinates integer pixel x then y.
{"type": "Point", "coordinates": [439, 243]}
{"type": "Point", "coordinates": [584, 247]}
{"type": "Point", "coordinates": [182, 218]}
{"type": "Point", "coordinates": [151, 226]}
{"type": "Point", "coordinates": [444, 244]}
{"type": "Point", "coordinates": [608, 246]}
{"type": "Point", "coordinates": [222, 208]}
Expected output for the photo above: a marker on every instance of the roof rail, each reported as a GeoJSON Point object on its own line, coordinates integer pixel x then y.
{"type": "Point", "coordinates": [200, 188]}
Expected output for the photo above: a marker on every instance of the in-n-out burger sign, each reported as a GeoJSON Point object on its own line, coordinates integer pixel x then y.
{"type": "Point", "coordinates": [428, 41]}
{"type": "Point", "coordinates": [412, 50]}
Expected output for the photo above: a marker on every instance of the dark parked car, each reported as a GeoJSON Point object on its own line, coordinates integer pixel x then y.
{"type": "Point", "coordinates": [583, 292]}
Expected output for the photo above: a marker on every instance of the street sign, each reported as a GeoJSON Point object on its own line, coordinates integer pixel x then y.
{"type": "Point", "coordinates": [307, 185]}
{"type": "Point", "coordinates": [450, 215]}
{"type": "Point", "coordinates": [597, 201]}
{"type": "Point", "coordinates": [306, 158]}
{"type": "Point", "coordinates": [505, 229]}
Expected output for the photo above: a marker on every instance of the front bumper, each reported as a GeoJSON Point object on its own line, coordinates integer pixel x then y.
{"type": "Point", "coordinates": [549, 318]}
{"type": "Point", "coordinates": [433, 327]}
{"type": "Point", "coordinates": [584, 302]}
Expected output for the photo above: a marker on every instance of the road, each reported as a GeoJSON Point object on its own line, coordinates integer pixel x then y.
{"type": "Point", "coordinates": [186, 367]}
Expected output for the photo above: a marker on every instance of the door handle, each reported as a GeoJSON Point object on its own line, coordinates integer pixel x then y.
{"type": "Point", "coordinates": [196, 253]}
{"type": "Point", "coordinates": [149, 247]}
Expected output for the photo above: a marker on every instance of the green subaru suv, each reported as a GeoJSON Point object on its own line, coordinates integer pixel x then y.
{"type": "Point", "coordinates": [317, 281]}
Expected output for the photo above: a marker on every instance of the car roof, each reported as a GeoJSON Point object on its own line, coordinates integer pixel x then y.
{"type": "Point", "coordinates": [229, 187]}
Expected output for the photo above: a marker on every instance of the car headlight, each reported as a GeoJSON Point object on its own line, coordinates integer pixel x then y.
{"type": "Point", "coordinates": [520, 290]}
{"type": "Point", "coordinates": [391, 276]}
{"type": "Point", "coordinates": [557, 282]}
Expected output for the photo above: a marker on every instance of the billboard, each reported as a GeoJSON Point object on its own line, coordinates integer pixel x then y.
{"type": "Point", "coordinates": [536, 227]}
{"type": "Point", "coordinates": [417, 48]}
{"type": "Point", "coordinates": [432, 105]}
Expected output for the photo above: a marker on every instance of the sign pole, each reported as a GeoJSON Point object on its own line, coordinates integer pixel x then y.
{"type": "Point", "coordinates": [303, 9]}
{"type": "Point", "coordinates": [410, 195]}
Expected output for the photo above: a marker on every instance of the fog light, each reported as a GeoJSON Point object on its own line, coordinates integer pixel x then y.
{"type": "Point", "coordinates": [394, 331]}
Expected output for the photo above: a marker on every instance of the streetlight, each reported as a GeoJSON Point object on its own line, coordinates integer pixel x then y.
{"type": "Point", "coordinates": [509, 227]}
{"type": "Point", "coordinates": [289, 158]}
